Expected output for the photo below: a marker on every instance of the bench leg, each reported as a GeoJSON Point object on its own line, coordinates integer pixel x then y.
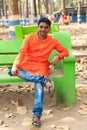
{"type": "Point", "coordinates": [65, 93]}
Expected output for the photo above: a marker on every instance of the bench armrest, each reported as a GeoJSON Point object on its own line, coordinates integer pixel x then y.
{"type": "Point", "coordinates": [69, 66]}
{"type": "Point", "coordinates": [70, 58]}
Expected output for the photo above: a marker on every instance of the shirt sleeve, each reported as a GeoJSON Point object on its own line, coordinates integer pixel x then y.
{"type": "Point", "coordinates": [22, 52]}
{"type": "Point", "coordinates": [62, 51]}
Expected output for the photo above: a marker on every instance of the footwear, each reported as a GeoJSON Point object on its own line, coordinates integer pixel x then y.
{"type": "Point", "coordinates": [49, 85]}
{"type": "Point", "coordinates": [36, 121]}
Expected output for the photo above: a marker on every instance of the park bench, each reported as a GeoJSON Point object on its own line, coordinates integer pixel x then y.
{"type": "Point", "coordinates": [21, 31]}
{"type": "Point", "coordinates": [64, 76]}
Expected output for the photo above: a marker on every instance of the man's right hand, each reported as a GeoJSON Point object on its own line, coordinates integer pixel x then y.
{"type": "Point", "coordinates": [14, 71]}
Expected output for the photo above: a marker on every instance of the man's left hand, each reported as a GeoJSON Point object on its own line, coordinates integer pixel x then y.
{"type": "Point", "coordinates": [54, 60]}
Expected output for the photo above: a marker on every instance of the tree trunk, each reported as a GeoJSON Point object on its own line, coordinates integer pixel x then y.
{"type": "Point", "coordinates": [51, 6]}
{"type": "Point", "coordinates": [34, 7]}
{"type": "Point", "coordinates": [63, 7]}
{"type": "Point", "coordinates": [79, 10]}
{"type": "Point", "coordinates": [13, 7]}
{"type": "Point", "coordinates": [3, 11]}
{"type": "Point", "coordinates": [13, 17]}
{"type": "Point", "coordinates": [39, 7]}
{"type": "Point", "coordinates": [27, 11]}
{"type": "Point", "coordinates": [34, 11]}
{"type": "Point", "coordinates": [50, 9]}
{"type": "Point", "coordinates": [46, 6]}
{"type": "Point", "coordinates": [20, 9]}
{"type": "Point", "coordinates": [86, 10]}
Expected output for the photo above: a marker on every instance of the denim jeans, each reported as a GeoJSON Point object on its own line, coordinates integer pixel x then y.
{"type": "Point", "coordinates": [39, 89]}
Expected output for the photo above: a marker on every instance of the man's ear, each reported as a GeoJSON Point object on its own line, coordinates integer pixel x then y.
{"type": "Point", "coordinates": [50, 28]}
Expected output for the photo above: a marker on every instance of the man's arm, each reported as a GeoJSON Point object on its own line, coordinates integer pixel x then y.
{"type": "Point", "coordinates": [20, 57]}
{"type": "Point", "coordinates": [62, 52]}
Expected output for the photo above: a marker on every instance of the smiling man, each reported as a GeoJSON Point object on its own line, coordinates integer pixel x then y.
{"type": "Point", "coordinates": [32, 63]}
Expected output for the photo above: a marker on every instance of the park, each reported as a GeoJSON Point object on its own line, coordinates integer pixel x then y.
{"type": "Point", "coordinates": [66, 107]}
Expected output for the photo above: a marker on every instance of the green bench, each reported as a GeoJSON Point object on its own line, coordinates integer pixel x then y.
{"type": "Point", "coordinates": [63, 74]}
{"type": "Point", "coordinates": [21, 31]}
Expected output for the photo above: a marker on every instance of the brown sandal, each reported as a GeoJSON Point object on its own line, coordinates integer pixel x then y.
{"type": "Point", "coordinates": [36, 121]}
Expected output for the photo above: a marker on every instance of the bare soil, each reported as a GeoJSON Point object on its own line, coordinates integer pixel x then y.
{"type": "Point", "coordinates": [20, 95]}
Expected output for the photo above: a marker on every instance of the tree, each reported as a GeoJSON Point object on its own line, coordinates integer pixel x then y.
{"type": "Point", "coordinates": [20, 9]}
{"type": "Point", "coordinates": [34, 7]}
{"type": "Point", "coordinates": [3, 11]}
{"type": "Point", "coordinates": [51, 6]}
{"type": "Point", "coordinates": [39, 9]}
{"type": "Point", "coordinates": [13, 17]}
{"type": "Point", "coordinates": [45, 2]}
{"type": "Point", "coordinates": [79, 10]}
{"type": "Point", "coordinates": [13, 7]}
{"type": "Point", "coordinates": [27, 9]}
{"type": "Point", "coordinates": [34, 11]}
{"type": "Point", "coordinates": [63, 6]}
{"type": "Point", "coordinates": [27, 13]}
{"type": "Point", "coordinates": [86, 10]}
{"type": "Point", "coordinates": [4, 8]}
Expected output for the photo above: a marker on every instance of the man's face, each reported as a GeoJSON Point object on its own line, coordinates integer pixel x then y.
{"type": "Point", "coordinates": [43, 29]}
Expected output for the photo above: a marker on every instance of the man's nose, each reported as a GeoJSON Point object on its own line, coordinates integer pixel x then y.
{"type": "Point", "coordinates": [43, 29]}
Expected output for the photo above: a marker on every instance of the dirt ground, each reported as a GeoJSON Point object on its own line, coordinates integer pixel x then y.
{"type": "Point", "coordinates": [16, 100]}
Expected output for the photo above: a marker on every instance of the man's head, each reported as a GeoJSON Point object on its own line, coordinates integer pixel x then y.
{"type": "Point", "coordinates": [43, 27]}
{"type": "Point", "coordinates": [47, 21]}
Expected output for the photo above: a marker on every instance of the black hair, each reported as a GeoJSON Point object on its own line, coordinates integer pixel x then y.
{"type": "Point", "coordinates": [44, 19]}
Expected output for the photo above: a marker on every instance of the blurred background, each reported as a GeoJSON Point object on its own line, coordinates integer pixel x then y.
{"type": "Point", "coordinates": [29, 11]}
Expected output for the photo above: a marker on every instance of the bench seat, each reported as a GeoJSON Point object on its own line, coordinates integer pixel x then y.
{"type": "Point", "coordinates": [5, 78]}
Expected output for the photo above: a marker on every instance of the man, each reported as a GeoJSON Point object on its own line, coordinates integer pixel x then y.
{"type": "Point", "coordinates": [32, 63]}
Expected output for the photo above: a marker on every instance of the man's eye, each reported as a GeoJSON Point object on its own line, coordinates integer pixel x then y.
{"type": "Point", "coordinates": [41, 26]}
{"type": "Point", "coordinates": [44, 27]}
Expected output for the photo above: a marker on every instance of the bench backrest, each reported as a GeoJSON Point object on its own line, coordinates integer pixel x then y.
{"type": "Point", "coordinates": [10, 48]}
{"type": "Point", "coordinates": [54, 27]}
{"type": "Point", "coordinates": [65, 39]}
{"type": "Point", "coordinates": [21, 31]}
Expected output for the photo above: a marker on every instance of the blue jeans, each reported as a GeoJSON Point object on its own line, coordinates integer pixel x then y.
{"type": "Point", "coordinates": [39, 89]}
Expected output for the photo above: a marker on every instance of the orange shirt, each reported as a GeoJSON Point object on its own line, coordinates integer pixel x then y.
{"type": "Point", "coordinates": [34, 53]}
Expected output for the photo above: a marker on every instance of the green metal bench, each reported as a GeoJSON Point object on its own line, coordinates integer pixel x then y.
{"type": "Point", "coordinates": [21, 31]}
{"type": "Point", "coordinates": [63, 74]}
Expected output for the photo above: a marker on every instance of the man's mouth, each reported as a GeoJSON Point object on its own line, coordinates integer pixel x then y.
{"type": "Point", "coordinates": [42, 32]}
